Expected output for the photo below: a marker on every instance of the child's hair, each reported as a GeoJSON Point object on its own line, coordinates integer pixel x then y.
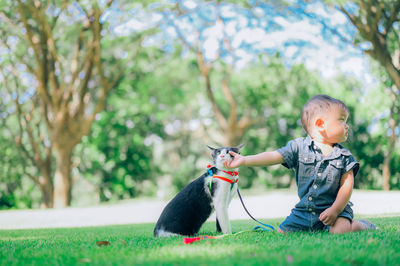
{"type": "Point", "coordinates": [316, 105]}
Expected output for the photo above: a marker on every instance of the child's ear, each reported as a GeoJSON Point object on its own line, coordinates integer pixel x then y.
{"type": "Point", "coordinates": [319, 123]}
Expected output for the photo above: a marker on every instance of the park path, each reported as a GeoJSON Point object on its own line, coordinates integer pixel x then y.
{"type": "Point", "coordinates": [274, 204]}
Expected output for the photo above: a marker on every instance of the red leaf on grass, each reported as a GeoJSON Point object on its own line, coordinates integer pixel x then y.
{"type": "Point", "coordinates": [103, 243]}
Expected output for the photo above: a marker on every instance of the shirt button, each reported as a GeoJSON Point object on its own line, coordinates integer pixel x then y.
{"type": "Point", "coordinates": [319, 174]}
{"type": "Point", "coordinates": [310, 198]}
{"type": "Point", "coordinates": [315, 186]}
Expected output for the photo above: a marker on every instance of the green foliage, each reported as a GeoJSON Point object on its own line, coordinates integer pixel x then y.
{"type": "Point", "coordinates": [15, 187]}
{"type": "Point", "coordinates": [152, 136]}
{"type": "Point", "coordinates": [17, 190]}
{"type": "Point", "coordinates": [117, 156]}
{"type": "Point", "coordinates": [135, 244]}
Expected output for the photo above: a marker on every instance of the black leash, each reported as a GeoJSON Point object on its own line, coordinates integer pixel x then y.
{"type": "Point", "coordinates": [257, 227]}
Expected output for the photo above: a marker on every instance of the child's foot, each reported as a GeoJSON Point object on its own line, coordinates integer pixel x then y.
{"type": "Point", "coordinates": [368, 225]}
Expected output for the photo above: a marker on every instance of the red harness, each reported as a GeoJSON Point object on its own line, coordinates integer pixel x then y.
{"type": "Point", "coordinates": [231, 173]}
{"type": "Point", "coordinates": [226, 179]}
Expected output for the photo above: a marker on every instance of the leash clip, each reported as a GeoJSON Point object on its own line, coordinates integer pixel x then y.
{"type": "Point", "coordinates": [210, 172]}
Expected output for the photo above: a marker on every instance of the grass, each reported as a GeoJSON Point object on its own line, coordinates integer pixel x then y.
{"type": "Point", "coordinates": [135, 245]}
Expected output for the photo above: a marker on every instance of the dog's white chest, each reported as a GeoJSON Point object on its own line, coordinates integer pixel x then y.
{"type": "Point", "coordinates": [224, 191]}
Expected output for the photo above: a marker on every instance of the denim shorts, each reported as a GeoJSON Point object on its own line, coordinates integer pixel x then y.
{"type": "Point", "coordinates": [303, 220]}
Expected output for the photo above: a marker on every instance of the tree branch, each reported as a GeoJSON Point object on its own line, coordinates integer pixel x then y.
{"type": "Point", "coordinates": [205, 70]}
{"type": "Point", "coordinates": [394, 16]}
{"type": "Point", "coordinates": [40, 73]}
{"type": "Point", "coordinates": [37, 158]}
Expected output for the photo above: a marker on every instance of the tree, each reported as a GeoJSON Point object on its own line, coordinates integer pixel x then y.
{"type": "Point", "coordinates": [376, 34]}
{"type": "Point", "coordinates": [203, 30]}
{"type": "Point", "coordinates": [377, 23]}
{"type": "Point", "coordinates": [118, 154]}
{"type": "Point", "coordinates": [15, 191]}
{"type": "Point", "coordinates": [54, 68]}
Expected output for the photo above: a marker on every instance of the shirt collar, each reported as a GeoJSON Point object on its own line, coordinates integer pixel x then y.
{"type": "Point", "coordinates": [337, 148]}
{"type": "Point", "coordinates": [309, 141]}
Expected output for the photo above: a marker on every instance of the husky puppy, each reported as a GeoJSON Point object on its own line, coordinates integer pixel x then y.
{"type": "Point", "coordinates": [190, 208]}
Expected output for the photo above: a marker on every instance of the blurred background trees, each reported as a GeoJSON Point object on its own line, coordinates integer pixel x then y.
{"type": "Point", "coordinates": [377, 34]}
{"type": "Point", "coordinates": [95, 108]}
{"type": "Point", "coordinates": [55, 47]}
{"type": "Point", "coordinates": [377, 23]}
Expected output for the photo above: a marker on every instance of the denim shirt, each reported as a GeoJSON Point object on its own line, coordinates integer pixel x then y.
{"type": "Point", "coordinates": [317, 177]}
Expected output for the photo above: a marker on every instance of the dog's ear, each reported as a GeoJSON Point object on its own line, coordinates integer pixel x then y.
{"type": "Point", "coordinates": [240, 147]}
{"type": "Point", "coordinates": [211, 149]}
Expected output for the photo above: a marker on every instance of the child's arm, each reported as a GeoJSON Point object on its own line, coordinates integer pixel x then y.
{"type": "Point", "coordinates": [260, 159]}
{"type": "Point", "coordinates": [328, 217]}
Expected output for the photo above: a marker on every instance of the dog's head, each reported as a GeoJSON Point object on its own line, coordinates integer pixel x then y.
{"type": "Point", "coordinates": [220, 155]}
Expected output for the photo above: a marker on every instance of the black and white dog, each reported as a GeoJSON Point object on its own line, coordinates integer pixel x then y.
{"type": "Point", "coordinates": [190, 208]}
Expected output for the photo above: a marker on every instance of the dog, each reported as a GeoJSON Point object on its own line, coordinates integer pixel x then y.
{"type": "Point", "coordinates": [190, 208]}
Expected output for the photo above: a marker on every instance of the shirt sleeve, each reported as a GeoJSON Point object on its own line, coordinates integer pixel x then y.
{"type": "Point", "coordinates": [351, 164]}
{"type": "Point", "coordinates": [290, 154]}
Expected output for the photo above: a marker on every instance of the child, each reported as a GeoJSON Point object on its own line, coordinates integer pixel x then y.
{"type": "Point", "coordinates": [324, 170]}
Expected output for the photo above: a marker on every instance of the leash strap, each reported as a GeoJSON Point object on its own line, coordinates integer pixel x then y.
{"type": "Point", "coordinates": [190, 240]}
{"type": "Point", "coordinates": [211, 173]}
{"type": "Point", "coordinates": [257, 227]}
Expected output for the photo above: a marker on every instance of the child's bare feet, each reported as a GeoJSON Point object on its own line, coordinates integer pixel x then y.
{"type": "Point", "coordinates": [368, 225]}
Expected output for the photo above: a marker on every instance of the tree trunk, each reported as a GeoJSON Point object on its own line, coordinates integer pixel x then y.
{"type": "Point", "coordinates": [386, 171]}
{"type": "Point", "coordinates": [62, 178]}
{"type": "Point", "coordinates": [393, 122]}
{"type": "Point", "coordinates": [231, 137]}
{"type": "Point", "coordinates": [386, 164]}
{"type": "Point", "coordinates": [231, 126]}
{"type": "Point", "coordinates": [46, 188]}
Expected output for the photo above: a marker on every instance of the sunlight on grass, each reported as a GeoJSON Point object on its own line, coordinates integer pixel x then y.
{"type": "Point", "coordinates": [211, 248]}
{"type": "Point", "coordinates": [135, 244]}
{"type": "Point", "coordinates": [20, 238]}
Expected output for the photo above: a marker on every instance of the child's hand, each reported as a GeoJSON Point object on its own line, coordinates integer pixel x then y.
{"type": "Point", "coordinates": [328, 217]}
{"type": "Point", "coordinates": [237, 161]}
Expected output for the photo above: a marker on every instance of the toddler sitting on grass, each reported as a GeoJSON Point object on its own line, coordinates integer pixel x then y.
{"type": "Point", "coordinates": [324, 170]}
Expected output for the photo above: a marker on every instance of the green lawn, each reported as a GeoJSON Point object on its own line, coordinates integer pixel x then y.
{"type": "Point", "coordinates": [134, 244]}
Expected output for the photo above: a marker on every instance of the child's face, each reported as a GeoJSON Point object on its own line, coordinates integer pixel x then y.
{"type": "Point", "coordinates": [336, 128]}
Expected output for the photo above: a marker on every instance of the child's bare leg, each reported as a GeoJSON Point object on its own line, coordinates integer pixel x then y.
{"type": "Point", "coordinates": [358, 226]}
{"type": "Point", "coordinates": [343, 225]}
{"type": "Point", "coordinates": [280, 231]}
